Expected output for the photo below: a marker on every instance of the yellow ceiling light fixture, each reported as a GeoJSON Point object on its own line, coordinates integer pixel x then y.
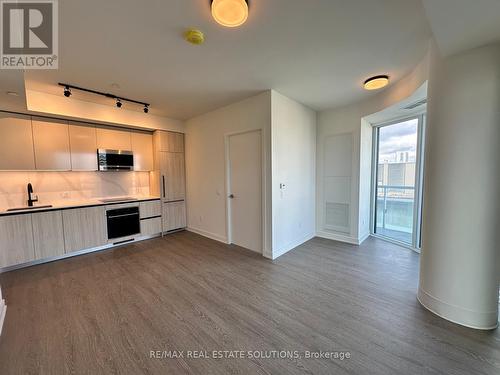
{"type": "Point", "coordinates": [194, 36]}
{"type": "Point", "coordinates": [230, 13]}
{"type": "Point", "coordinates": [377, 82]}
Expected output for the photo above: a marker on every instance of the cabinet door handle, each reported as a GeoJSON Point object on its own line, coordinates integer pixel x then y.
{"type": "Point", "coordinates": [163, 183]}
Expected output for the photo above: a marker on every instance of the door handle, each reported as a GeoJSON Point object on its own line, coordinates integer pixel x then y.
{"type": "Point", "coordinates": [163, 183]}
{"type": "Point", "coordinates": [231, 196]}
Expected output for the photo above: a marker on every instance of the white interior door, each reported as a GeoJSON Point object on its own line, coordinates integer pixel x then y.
{"type": "Point", "coordinates": [245, 190]}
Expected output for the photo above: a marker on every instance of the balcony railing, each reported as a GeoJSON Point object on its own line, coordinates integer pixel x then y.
{"type": "Point", "coordinates": [395, 205]}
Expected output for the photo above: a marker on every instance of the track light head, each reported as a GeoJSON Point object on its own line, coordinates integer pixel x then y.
{"type": "Point", "coordinates": [118, 103]}
{"type": "Point", "coordinates": [146, 109]}
{"type": "Point", "coordinates": [67, 92]}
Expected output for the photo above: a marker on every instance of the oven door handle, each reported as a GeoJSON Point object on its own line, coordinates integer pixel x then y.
{"type": "Point", "coordinates": [115, 216]}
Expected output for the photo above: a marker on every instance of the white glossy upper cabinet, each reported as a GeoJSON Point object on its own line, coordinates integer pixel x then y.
{"type": "Point", "coordinates": [83, 143]}
{"type": "Point", "coordinates": [142, 146]}
{"type": "Point", "coordinates": [16, 142]}
{"type": "Point", "coordinates": [110, 139]}
{"type": "Point", "coordinates": [51, 144]}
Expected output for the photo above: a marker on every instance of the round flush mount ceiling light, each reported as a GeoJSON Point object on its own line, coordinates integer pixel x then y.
{"type": "Point", "coordinates": [230, 13]}
{"type": "Point", "coordinates": [377, 82]}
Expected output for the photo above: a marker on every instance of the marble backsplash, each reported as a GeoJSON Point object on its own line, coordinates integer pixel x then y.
{"type": "Point", "coordinates": [52, 187]}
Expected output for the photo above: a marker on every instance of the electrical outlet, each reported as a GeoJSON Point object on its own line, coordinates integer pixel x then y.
{"type": "Point", "coordinates": [65, 195]}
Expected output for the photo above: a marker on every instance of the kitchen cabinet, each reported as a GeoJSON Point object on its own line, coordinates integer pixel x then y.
{"type": "Point", "coordinates": [16, 240]}
{"type": "Point", "coordinates": [84, 228]}
{"type": "Point", "coordinates": [16, 142]}
{"type": "Point", "coordinates": [83, 145]}
{"type": "Point", "coordinates": [111, 139]}
{"type": "Point", "coordinates": [149, 209]}
{"type": "Point", "coordinates": [150, 227]}
{"type": "Point", "coordinates": [142, 146]}
{"type": "Point", "coordinates": [169, 178]}
{"type": "Point", "coordinates": [51, 144]}
{"type": "Point", "coordinates": [172, 176]}
{"type": "Point", "coordinates": [169, 141]}
{"type": "Point", "coordinates": [48, 234]}
{"type": "Point", "coordinates": [174, 216]}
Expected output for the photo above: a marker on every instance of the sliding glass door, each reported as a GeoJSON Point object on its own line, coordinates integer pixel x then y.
{"type": "Point", "coordinates": [397, 187]}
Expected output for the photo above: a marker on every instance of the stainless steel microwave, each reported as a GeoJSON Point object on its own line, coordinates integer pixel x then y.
{"type": "Point", "coordinates": [115, 160]}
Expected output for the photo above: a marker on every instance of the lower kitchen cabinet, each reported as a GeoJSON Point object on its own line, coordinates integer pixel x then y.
{"type": "Point", "coordinates": [16, 240]}
{"type": "Point", "coordinates": [149, 209]}
{"type": "Point", "coordinates": [174, 215]}
{"type": "Point", "coordinates": [84, 228]}
{"type": "Point", "coordinates": [150, 227]}
{"type": "Point", "coordinates": [48, 234]}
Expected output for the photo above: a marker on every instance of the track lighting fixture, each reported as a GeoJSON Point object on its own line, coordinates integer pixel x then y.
{"type": "Point", "coordinates": [119, 99]}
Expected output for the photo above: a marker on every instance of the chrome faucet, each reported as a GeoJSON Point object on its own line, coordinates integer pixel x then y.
{"type": "Point", "coordinates": [31, 200]}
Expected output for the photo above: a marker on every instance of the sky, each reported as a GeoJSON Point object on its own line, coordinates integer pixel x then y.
{"type": "Point", "coordinates": [399, 137]}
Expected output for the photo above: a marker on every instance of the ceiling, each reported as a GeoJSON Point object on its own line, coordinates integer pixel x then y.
{"type": "Point", "coordinates": [459, 25]}
{"type": "Point", "coordinates": [316, 52]}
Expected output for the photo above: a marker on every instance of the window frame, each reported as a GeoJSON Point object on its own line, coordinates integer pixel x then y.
{"type": "Point", "coordinates": [416, 243]}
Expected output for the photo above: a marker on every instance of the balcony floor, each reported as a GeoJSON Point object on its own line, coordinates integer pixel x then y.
{"type": "Point", "coordinates": [395, 235]}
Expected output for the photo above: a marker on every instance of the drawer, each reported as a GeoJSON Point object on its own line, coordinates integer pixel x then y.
{"type": "Point", "coordinates": [150, 209]}
{"type": "Point", "coordinates": [150, 227]}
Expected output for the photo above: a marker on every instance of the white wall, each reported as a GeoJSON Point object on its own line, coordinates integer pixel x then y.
{"type": "Point", "coordinates": [205, 164]}
{"type": "Point", "coordinates": [460, 259]}
{"type": "Point", "coordinates": [349, 120]}
{"type": "Point", "coordinates": [294, 165]}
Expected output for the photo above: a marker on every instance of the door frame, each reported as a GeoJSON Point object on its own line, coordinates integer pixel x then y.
{"type": "Point", "coordinates": [227, 187]}
{"type": "Point", "coordinates": [419, 180]}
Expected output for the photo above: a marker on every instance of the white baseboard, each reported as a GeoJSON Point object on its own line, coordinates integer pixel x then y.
{"type": "Point", "coordinates": [482, 320]}
{"type": "Point", "coordinates": [292, 245]}
{"type": "Point", "coordinates": [340, 237]}
{"type": "Point", "coordinates": [363, 238]}
{"type": "Point", "coordinates": [210, 235]}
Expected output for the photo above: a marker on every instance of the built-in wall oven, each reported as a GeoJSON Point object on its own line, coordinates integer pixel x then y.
{"type": "Point", "coordinates": [115, 160]}
{"type": "Point", "coordinates": [123, 222]}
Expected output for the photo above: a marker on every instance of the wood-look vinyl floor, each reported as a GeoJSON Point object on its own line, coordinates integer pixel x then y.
{"type": "Point", "coordinates": [103, 313]}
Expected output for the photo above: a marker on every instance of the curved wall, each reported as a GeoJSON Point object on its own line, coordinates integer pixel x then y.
{"type": "Point", "coordinates": [460, 260]}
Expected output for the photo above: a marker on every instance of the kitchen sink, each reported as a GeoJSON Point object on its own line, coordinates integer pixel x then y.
{"type": "Point", "coordinates": [29, 208]}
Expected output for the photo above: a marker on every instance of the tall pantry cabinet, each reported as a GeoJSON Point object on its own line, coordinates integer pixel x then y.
{"type": "Point", "coordinates": [169, 178]}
